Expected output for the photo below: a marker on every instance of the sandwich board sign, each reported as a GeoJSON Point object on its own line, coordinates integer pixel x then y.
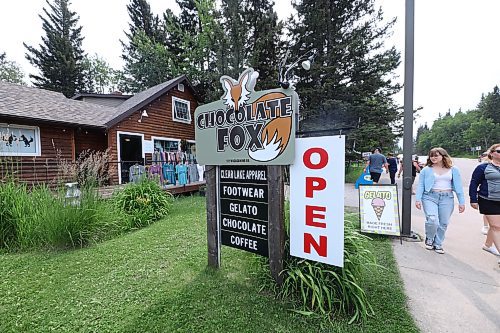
{"type": "Point", "coordinates": [379, 209]}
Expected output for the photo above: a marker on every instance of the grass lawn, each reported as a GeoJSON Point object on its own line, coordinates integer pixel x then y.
{"type": "Point", "coordinates": [354, 173]}
{"type": "Point", "coordinates": [156, 280]}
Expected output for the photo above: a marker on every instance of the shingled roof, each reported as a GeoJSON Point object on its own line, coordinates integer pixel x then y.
{"type": "Point", "coordinates": [39, 104]}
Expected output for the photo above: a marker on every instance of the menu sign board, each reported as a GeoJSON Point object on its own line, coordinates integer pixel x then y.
{"type": "Point", "coordinates": [243, 203]}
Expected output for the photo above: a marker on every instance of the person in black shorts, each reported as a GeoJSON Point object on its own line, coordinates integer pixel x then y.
{"type": "Point", "coordinates": [376, 162]}
{"type": "Point", "coordinates": [484, 193]}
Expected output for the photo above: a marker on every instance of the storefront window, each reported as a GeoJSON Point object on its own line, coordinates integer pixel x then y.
{"type": "Point", "coordinates": [19, 140]}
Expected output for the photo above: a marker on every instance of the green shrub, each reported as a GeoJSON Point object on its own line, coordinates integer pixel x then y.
{"type": "Point", "coordinates": [320, 289]}
{"type": "Point", "coordinates": [144, 202]}
{"type": "Point", "coordinates": [40, 218]}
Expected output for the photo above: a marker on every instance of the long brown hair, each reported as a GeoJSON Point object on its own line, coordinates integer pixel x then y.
{"type": "Point", "coordinates": [447, 163]}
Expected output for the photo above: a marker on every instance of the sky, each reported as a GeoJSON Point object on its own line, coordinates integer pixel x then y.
{"type": "Point", "coordinates": [457, 53]}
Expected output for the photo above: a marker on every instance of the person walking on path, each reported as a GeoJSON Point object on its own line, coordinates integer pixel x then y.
{"type": "Point", "coordinates": [414, 169]}
{"type": "Point", "coordinates": [393, 167]}
{"type": "Point", "coordinates": [484, 159]}
{"type": "Point", "coordinates": [484, 193]}
{"type": "Point", "coordinates": [376, 163]}
{"type": "Point", "coordinates": [437, 182]}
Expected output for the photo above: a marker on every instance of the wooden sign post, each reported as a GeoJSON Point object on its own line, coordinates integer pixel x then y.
{"type": "Point", "coordinates": [276, 221]}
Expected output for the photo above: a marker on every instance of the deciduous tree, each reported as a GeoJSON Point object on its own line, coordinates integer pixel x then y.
{"type": "Point", "coordinates": [10, 71]}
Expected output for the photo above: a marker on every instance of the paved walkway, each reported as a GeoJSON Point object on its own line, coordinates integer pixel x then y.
{"type": "Point", "coordinates": [455, 292]}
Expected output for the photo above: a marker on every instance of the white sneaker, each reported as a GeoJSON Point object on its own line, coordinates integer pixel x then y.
{"type": "Point", "coordinates": [492, 249]}
{"type": "Point", "coordinates": [484, 229]}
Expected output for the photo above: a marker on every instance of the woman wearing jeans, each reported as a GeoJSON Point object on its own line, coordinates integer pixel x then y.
{"type": "Point", "coordinates": [435, 189]}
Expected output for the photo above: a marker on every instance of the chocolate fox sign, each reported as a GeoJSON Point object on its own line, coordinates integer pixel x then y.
{"type": "Point", "coordinates": [246, 127]}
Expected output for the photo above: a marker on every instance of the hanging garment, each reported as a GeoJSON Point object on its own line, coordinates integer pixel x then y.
{"type": "Point", "coordinates": [181, 171]}
{"type": "Point", "coordinates": [155, 173]}
{"type": "Point", "coordinates": [136, 173]}
{"type": "Point", "coordinates": [201, 172]}
{"type": "Point", "coordinates": [193, 173]}
{"type": "Point", "coordinates": [169, 171]}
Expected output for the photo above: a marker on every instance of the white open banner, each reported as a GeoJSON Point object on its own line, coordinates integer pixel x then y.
{"type": "Point", "coordinates": [317, 199]}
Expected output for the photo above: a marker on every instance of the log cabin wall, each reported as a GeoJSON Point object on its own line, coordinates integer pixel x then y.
{"type": "Point", "coordinates": [159, 123]}
{"type": "Point", "coordinates": [90, 139]}
{"type": "Point", "coordinates": [57, 143]}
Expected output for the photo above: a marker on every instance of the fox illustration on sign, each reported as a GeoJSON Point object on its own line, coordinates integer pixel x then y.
{"type": "Point", "coordinates": [246, 127]}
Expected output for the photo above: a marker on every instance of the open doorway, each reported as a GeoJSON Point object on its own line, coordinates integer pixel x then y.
{"type": "Point", "coordinates": [130, 153]}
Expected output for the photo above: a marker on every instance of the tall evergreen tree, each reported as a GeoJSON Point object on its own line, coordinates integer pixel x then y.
{"type": "Point", "coordinates": [142, 19]}
{"type": "Point", "coordinates": [350, 82]}
{"type": "Point", "coordinates": [59, 56]}
{"type": "Point", "coordinates": [189, 17]}
{"type": "Point", "coordinates": [147, 62]}
{"type": "Point", "coordinates": [235, 28]}
{"type": "Point", "coordinates": [263, 43]}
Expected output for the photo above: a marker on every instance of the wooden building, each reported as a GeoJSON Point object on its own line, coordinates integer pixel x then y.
{"type": "Point", "coordinates": [39, 127]}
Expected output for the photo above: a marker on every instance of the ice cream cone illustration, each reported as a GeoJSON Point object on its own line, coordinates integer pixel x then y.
{"type": "Point", "coordinates": [378, 207]}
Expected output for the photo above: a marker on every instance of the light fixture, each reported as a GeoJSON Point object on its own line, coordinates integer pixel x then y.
{"type": "Point", "coordinates": [143, 114]}
{"type": "Point", "coordinates": [306, 59]}
{"type": "Point", "coordinates": [306, 64]}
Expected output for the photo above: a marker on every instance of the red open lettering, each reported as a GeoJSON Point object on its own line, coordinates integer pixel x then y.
{"type": "Point", "coordinates": [314, 184]}
{"type": "Point", "coordinates": [320, 248]}
{"type": "Point", "coordinates": [315, 216]}
{"type": "Point", "coordinates": [323, 158]}
{"type": "Point", "coordinates": [310, 216]}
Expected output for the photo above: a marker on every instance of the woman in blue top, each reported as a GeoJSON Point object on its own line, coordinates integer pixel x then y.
{"type": "Point", "coordinates": [436, 184]}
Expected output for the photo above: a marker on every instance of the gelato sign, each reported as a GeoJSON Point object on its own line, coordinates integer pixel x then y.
{"type": "Point", "coordinates": [379, 209]}
{"type": "Point", "coordinates": [246, 127]}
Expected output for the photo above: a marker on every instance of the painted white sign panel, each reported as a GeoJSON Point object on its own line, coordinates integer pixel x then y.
{"type": "Point", "coordinates": [317, 199]}
{"type": "Point", "coordinates": [147, 146]}
{"type": "Point", "coordinates": [379, 211]}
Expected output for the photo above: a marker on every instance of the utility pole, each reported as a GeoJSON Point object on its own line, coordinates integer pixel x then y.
{"type": "Point", "coordinates": [408, 115]}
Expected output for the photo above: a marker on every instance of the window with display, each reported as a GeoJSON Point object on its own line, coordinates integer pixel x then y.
{"type": "Point", "coordinates": [166, 145]}
{"type": "Point", "coordinates": [181, 110]}
{"type": "Point", "coordinates": [19, 140]}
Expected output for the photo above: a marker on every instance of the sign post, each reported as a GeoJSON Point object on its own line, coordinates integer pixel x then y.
{"type": "Point", "coordinates": [276, 222]}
